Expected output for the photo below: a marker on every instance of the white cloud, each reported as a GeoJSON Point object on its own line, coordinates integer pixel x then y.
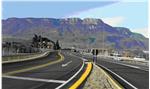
{"type": "Point", "coordinates": [114, 21]}
{"type": "Point", "coordinates": [143, 31]}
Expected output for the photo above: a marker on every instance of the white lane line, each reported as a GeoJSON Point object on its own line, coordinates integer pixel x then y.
{"type": "Point", "coordinates": [128, 65]}
{"type": "Point", "coordinates": [119, 77]}
{"type": "Point", "coordinates": [66, 64]}
{"type": "Point", "coordinates": [136, 67]}
{"type": "Point", "coordinates": [34, 79]}
{"type": "Point", "coordinates": [71, 77]}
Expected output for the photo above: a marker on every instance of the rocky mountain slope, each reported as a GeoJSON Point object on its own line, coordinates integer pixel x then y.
{"type": "Point", "coordinates": [76, 32]}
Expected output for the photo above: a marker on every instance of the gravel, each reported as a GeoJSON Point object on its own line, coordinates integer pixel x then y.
{"type": "Point", "coordinates": [98, 80]}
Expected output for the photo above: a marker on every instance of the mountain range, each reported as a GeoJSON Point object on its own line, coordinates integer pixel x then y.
{"type": "Point", "coordinates": [75, 32]}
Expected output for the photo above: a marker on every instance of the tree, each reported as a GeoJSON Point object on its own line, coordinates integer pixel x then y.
{"type": "Point", "coordinates": [57, 46]}
{"type": "Point", "coordinates": [8, 45]}
{"type": "Point", "coordinates": [35, 41]}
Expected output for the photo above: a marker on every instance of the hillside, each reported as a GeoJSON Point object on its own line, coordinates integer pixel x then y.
{"type": "Point", "coordinates": [84, 33]}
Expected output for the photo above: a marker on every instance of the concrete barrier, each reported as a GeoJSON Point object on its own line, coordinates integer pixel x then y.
{"type": "Point", "coordinates": [26, 59]}
{"type": "Point", "coordinates": [60, 58]}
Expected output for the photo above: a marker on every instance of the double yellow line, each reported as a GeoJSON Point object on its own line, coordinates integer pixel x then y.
{"type": "Point", "coordinates": [36, 67]}
{"type": "Point", "coordinates": [83, 77]}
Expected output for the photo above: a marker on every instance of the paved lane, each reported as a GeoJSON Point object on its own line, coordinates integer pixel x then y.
{"type": "Point", "coordinates": [136, 77]}
{"type": "Point", "coordinates": [61, 71]}
{"type": "Point", "coordinates": [30, 63]}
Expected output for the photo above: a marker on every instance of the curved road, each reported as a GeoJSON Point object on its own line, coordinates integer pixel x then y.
{"type": "Point", "coordinates": [131, 76]}
{"type": "Point", "coordinates": [50, 76]}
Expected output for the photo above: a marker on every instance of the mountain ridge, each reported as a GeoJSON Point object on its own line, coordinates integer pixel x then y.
{"type": "Point", "coordinates": [76, 32]}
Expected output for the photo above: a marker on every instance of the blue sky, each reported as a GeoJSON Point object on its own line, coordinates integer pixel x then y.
{"type": "Point", "coordinates": [46, 9]}
{"type": "Point", "coordinates": [124, 13]}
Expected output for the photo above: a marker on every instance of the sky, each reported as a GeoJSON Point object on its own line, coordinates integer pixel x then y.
{"type": "Point", "coordinates": [132, 14]}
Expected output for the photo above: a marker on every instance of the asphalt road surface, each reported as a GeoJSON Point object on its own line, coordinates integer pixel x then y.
{"type": "Point", "coordinates": [130, 76]}
{"type": "Point", "coordinates": [48, 77]}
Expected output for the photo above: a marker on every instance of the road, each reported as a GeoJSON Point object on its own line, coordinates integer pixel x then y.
{"type": "Point", "coordinates": [44, 74]}
{"type": "Point", "coordinates": [31, 75]}
{"type": "Point", "coordinates": [134, 78]}
{"type": "Point", "coordinates": [131, 76]}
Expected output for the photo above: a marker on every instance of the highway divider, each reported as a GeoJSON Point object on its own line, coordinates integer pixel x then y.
{"type": "Point", "coordinates": [110, 79]}
{"type": "Point", "coordinates": [83, 77]}
{"type": "Point", "coordinates": [26, 59]}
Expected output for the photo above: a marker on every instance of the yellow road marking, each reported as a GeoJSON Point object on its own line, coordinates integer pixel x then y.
{"type": "Point", "coordinates": [83, 77]}
{"type": "Point", "coordinates": [36, 67]}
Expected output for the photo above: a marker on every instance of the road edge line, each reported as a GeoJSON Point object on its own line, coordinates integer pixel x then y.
{"type": "Point", "coordinates": [83, 77]}
{"type": "Point", "coordinates": [119, 77]}
{"type": "Point", "coordinates": [112, 80]}
{"type": "Point", "coordinates": [34, 79]}
{"type": "Point", "coordinates": [71, 77]}
{"type": "Point", "coordinates": [132, 66]}
{"type": "Point", "coordinates": [129, 65]}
